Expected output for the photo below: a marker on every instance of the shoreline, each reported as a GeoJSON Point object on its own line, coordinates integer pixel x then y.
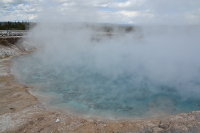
{"type": "Point", "coordinates": [20, 111]}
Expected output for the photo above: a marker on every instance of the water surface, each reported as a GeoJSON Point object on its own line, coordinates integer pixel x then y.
{"type": "Point", "coordinates": [118, 92]}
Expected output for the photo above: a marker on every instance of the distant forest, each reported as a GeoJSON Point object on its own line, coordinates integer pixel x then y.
{"type": "Point", "coordinates": [25, 25]}
{"type": "Point", "coordinates": [16, 25]}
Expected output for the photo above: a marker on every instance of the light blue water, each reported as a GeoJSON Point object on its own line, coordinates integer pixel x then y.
{"type": "Point", "coordinates": [92, 92]}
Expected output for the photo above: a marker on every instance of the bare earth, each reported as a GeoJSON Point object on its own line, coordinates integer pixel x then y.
{"type": "Point", "coordinates": [21, 112]}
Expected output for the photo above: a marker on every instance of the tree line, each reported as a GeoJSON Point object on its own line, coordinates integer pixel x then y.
{"type": "Point", "coordinates": [16, 25]}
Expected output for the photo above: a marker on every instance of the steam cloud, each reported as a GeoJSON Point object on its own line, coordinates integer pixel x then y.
{"type": "Point", "coordinates": [133, 67]}
{"type": "Point", "coordinates": [168, 55]}
{"type": "Point", "coordinates": [97, 68]}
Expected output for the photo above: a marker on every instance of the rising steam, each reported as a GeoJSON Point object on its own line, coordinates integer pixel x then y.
{"type": "Point", "coordinates": [167, 55]}
{"type": "Point", "coordinates": [112, 67]}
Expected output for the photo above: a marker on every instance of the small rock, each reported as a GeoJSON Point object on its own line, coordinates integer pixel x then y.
{"type": "Point", "coordinates": [57, 120]}
{"type": "Point", "coordinates": [12, 109]}
{"type": "Point", "coordinates": [163, 126]}
{"type": "Point", "coordinates": [146, 130]}
{"type": "Point", "coordinates": [31, 123]}
{"type": "Point", "coordinates": [40, 118]}
{"type": "Point", "coordinates": [157, 130]}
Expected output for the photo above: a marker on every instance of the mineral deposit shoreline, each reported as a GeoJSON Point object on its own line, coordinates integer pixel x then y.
{"type": "Point", "coordinates": [22, 112]}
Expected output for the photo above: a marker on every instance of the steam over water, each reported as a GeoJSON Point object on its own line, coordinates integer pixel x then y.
{"type": "Point", "coordinates": [146, 72]}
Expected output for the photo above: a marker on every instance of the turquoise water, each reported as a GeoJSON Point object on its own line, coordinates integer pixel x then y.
{"type": "Point", "coordinates": [88, 90]}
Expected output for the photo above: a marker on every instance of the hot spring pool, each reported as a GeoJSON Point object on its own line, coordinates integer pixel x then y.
{"type": "Point", "coordinates": [100, 92]}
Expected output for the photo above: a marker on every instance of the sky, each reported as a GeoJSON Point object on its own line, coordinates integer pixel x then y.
{"type": "Point", "coordinates": [103, 11]}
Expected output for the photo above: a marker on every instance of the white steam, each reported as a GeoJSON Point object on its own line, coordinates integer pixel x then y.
{"type": "Point", "coordinates": [166, 55]}
{"type": "Point", "coordinates": [118, 67]}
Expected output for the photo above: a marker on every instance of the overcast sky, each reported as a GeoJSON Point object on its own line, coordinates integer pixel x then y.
{"type": "Point", "coordinates": [103, 11]}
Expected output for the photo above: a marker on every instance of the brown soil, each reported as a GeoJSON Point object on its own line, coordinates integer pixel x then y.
{"type": "Point", "coordinates": [8, 41]}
